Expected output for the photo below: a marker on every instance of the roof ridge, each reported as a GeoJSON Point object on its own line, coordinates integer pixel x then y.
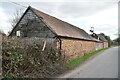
{"type": "Point", "coordinates": [58, 26]}
{"type": "Point", "coordinates": [61, 27]}
{"type": "Point", "coordinates": [54, 17]}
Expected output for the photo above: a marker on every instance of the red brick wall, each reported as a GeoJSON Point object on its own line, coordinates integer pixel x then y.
{"type": "Point", "coordinates": [99, 45]}
{"type": "Point", "coordinates": [77, 48]}
{"type": "Point", "coordinates": [105, 44]}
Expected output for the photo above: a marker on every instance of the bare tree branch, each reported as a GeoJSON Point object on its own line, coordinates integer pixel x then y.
{"type": "Point", "coordinates": [16, 17]}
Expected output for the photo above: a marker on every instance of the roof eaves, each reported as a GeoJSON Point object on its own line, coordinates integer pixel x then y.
{"type": "Point", "coordinates": [59, 36]}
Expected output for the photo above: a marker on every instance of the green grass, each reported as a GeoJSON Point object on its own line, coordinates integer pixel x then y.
{"type": "Point", "coordinates": [77, 61]}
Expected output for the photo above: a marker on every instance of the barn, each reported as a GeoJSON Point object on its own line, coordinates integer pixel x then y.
{"type": "Point", "coordinates": [102, 38]}
{"type": "Point", "coordinates": [73, 40]}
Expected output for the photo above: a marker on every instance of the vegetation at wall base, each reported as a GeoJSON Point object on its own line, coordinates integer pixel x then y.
{"type": "Point", "coordinates": [25, 59]}
{"type": "Point", "coordinates": [77, 61]}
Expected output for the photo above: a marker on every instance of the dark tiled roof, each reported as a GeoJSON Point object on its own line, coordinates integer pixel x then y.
{"type": "Point", "coordinates": [102, 38]}
{"type": "Point", "coordinates": [62, 28]}
{"type": "Point", "coordinates": [94, 39]}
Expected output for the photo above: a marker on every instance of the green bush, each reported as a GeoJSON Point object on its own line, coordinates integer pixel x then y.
{"type": "Point", "coordinates": [25, 59]}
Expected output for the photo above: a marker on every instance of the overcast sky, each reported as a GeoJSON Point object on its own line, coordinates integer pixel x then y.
{"type": "Point", "coordinates": [100, 14]}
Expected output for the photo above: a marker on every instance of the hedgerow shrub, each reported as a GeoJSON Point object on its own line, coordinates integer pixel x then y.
{"type": "Point", "coordinates": [25, 59]}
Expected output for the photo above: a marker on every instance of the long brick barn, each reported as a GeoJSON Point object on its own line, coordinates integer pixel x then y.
{"type": "Point", "coordinates": [73, 40]}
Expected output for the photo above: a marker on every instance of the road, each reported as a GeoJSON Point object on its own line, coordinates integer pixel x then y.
{"type": "Point", "coordinates": [101, 65]}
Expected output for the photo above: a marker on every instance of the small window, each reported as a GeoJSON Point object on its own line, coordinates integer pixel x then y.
{"type": "Point", "coordinates": [18, 33]}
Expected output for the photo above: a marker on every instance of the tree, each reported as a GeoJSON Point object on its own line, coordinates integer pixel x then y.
{"type": "Point", "coordinates": [16, 17]}
{"type": "Point", "coordinates": [102, 34]}
{"type": "Point", "coordinates": [117, 41]}
{"type": "Point", "coordinates": [108, 39]}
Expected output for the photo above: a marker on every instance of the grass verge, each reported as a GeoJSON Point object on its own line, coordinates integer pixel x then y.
{"type": "Point", "coordinates": [77, 61]}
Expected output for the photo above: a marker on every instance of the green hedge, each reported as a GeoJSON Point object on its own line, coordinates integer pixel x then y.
{"type": "Point", "coordinates": [23, 60]}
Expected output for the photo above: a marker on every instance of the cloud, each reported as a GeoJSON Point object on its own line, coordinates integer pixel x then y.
{"type": "Point", "coordinates": [105, 21]}
{"type": "Point", "coordinates": [82, 9]}
{"type": "Point", "coordinates": [101, 14]}
{"type": "Point", "coordinates": [60, 0]}
{"type": "Point", "coordinates": [4, 21]}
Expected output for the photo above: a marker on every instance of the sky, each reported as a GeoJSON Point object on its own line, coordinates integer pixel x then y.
{"type": "Point", "coordinates": [100, 14]}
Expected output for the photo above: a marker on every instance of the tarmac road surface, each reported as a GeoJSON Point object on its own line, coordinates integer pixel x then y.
{"type": "Point", "coordinates": [101, 65]}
